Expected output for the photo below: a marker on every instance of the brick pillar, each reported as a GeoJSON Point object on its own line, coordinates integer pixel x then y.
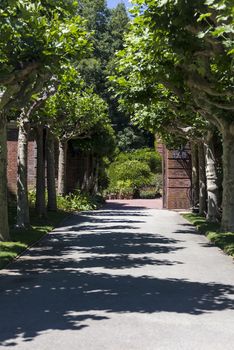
{"type": "Point", "coordinates": [176, 179]}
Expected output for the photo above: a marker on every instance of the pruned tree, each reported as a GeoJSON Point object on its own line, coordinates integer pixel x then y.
{"type": "Point", "coordinates": [73, 114]}
{"type": "Point", "coordinates": [36, 37]}
{"type": "Point", "coordinates": [188, 48]}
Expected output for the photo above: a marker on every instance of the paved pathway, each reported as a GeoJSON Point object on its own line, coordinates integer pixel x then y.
{"type": "Point", "coordinates": [122, 278]}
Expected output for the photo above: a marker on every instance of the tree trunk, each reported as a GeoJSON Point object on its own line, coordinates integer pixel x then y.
{"type": "Point", "coordinates": [91, 180]}
{"type": "Point", "coordinates": [228, 179]}
{"type": "Point", "coordinates": [62, 165]}
{"type": "Point", "coordinates": [195, 175]}
{"type": "Point", "coordinates": [85, 184]}
{"type": "Point", "coordinates": [202, 180]}
{"type": "Point", "coordinates": [51, 186]}
{"type": "Point", "coordinates": [22, 175]}
{"type": "Point", "coordinates": [96, 178]}
{"type": "Point", "coordinates": [40, 181]}
{"type": "Point", "coordinates": [213, 212]}
{"type": "Point", "coordinates": [4, 228]}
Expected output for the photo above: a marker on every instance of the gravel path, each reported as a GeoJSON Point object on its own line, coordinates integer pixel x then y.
{"type": "Point", "coordinates": [127, 277]}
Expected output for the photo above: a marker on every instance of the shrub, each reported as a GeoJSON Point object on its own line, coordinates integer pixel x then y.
{"type": "Point", "coordinates": [148, 193]}
{"type": "Point", "coordinates": [143, 155]}
{"type": "Point", "coordinates": [133, 172]}
{"type": "Point", "coordinates": [122, 189]}
{"type": "Point", "coordinates": [78, 201]}
{"type": "Point", "coordinates": [136, 172]}
{"type": "Point", "coordinates": [74, 201]}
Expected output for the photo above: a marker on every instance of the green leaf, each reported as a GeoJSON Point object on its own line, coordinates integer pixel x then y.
{"type": "Point", "coordinates": [204, 16]}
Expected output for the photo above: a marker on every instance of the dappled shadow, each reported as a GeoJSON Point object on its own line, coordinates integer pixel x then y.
{"type": "Point", "coordinates": [67, 299]}
{"type": "Point", "coordinates": [109, 250]}
{"type": "Point", "coordinates": [187, 228]}
{"type": "Point", "coordinates": [74, 277]}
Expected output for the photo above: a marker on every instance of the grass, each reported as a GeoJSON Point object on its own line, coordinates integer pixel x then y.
{"type": "Point", "coordinates": [223, 240]}
{"type": "Point", "coordinates": [21, 239]}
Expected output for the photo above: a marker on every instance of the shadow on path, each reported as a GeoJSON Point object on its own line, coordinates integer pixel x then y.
{"type": "Point", "coordinates": [59, 286]}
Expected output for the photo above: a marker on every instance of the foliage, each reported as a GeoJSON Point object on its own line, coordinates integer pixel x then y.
{"type": "Point", "coordinates": [134, 171]}
{"type": "Point", "coordinates": [138, 173]}
{"type": "Point", "coordinates": [37, 38]}
{"type": "Point", "coordinates": [132, 138]}
{"type": "Point", "coordinates": [74, 113]}
{"type": "Point", "coordinates": [37, 31]}
{"type": "Point", "coordinates": [144, 155]}
{"type": "Point", "coordinates": [223, 240]}
{"type": "Point", "coordinates": [122, 189]}
{"type": "Point", "coordinates": [101, 142]}
{"type": "Point", "coordinates": [78, 201]}
{"type": "Point", "coordinates": [108, 29]}
{"type": "Point", "coordinates": [175, 75]}
{"type": "Point", "coordinates": [176, 68]}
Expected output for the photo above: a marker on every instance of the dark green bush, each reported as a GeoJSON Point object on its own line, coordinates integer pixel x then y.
{"type": "Point", "coordinates": [134, 172]}
{"type": "Point", "coordinates": [144, 155]}
{"type": "Point", "coordinates": [137, 173]}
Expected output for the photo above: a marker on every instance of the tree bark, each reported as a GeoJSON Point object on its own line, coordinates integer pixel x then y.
{"type": "Point", "coordinates": [22, 176]}
{"type": "Point", "coordinates": [213, 211]}
{"type": "Point", "coordinates": [96, 177]}
{"type": "Point", "coordinates": [91, 179]}
{"type": "Point", "coordinates": [202, 180]}
{"type": "Point", "coordinates": [62, 165]}
{"type": "Point", "coordinates": [51, 185]}
{"type": "Point", "coordinates": [195, 174]}
{"type": "Point", "coordinates": [85, 184]}
{"type": "Point", "coordinates": [228, 179]}
{"type": "Point", "coordinates": [4, 227]}
{"type": "Point", "coordinates": [40, 180]}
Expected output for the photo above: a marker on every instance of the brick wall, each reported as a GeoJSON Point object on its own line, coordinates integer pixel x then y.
{"type": "Point", "coordinates": [75, 162]}
{"type": "Point", "coordinates": [176, 171]}
{"type": "Point", "coordinates": [75, 168]}
{"type": "Point", "coordinates": [12, 140]}
{"type": "Point", "coordinates": [176, 179]}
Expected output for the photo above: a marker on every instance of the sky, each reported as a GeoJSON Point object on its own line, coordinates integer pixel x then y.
{"type": "Point", "coordinates": [113, 3]}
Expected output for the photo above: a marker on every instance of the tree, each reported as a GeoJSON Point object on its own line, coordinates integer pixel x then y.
{"type": "Point", "coordinates": [35, 37]}
{"type": "Point", "coordinates": [34, 98]}
{"type": "Point", "coordinates": [73, 114]}
{"type": "Point", "coordinates": [99, 149]}
{"type": "Point", "coordinates": [203, 29]}
{"type": "Point", "coordinates": [186, 47]}
{"type": "Point", "coordinates": [108, 28]}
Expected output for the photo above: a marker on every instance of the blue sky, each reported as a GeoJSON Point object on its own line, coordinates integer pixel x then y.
{"type": "Point", "coordinates": [113, 3]}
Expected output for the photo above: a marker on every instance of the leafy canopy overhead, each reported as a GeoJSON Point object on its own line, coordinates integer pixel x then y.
{"type": "Point", "coordinates": [44, 32]}
{"type": "Point", "coordinates": [176, 69]}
